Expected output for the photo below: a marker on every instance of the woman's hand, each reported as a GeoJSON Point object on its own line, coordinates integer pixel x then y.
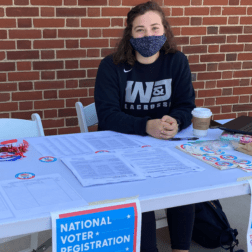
{"type": "Point", "coordinates": [164, 128]}
{"type": "Point", "coordinates": [173, 128]}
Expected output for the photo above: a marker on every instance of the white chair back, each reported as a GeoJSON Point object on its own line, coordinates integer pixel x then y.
{"type": "Point", "coordinates": [17, 128]}
{"type": "Point", "coordinates": [87, 116]}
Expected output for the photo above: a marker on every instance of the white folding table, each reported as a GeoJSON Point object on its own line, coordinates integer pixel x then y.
{"type": "Point", "coordinates": [154, 193]}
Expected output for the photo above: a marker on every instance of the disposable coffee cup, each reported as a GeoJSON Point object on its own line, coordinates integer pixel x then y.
{"type": "Point", "coordinates": [201, 121]}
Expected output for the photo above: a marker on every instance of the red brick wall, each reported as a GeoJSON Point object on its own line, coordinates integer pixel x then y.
{"type": "Point", "coordinates": [50, 51]}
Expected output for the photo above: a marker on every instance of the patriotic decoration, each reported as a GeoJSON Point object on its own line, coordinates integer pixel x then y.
{"type": "Point", "coordinates": [11, 150]}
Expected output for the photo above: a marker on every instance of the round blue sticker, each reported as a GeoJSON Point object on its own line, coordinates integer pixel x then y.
{"type": "Point", "coordinates": [212, 151]}
{"type": "Point", "coordinates": [242, 161]}
{"type": "Point", "coordinates": [101, 151]}
{"type": "Point", "coordinates": [211, 158]}
{"type": "Point", "coordinates": [223, 163]}
{"type": "Point", "coordinates": [47, 159]}
{"type": "Point", "coordinates": [228, 157]}
{"type": "Point", "coordinates": [25, 175]}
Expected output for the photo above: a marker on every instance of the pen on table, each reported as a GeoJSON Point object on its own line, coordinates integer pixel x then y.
{"type": "Point", "coordinates": [183, 138]}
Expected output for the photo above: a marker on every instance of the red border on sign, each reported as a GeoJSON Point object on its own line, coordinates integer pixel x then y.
{"type": "Point", "coordinates": [103, 209]}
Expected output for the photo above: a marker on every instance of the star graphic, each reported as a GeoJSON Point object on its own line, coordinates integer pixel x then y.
{"type": "Point", "coordinates": [127, 249]}
{"type": "Point", "coordinates": [128, 216]}
{"type": "Point", "coordinates": [97, 233]}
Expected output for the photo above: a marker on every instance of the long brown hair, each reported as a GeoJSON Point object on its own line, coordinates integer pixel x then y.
{"type": "Point", "coordinates": [125, 51]}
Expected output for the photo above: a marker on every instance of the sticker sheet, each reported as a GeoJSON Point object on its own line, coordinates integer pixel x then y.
{"type": "Point", "coordinates": [217, 154]}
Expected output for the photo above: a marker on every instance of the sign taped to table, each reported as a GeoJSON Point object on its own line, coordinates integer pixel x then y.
{"type": "Point", "coordinates": [108, 227]}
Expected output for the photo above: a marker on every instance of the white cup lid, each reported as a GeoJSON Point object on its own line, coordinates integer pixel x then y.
{"type": "Point", "coordinates": [202, 112]}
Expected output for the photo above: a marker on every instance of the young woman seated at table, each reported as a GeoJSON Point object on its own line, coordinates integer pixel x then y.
{"type": "Point", "coordinates": [145, 88]}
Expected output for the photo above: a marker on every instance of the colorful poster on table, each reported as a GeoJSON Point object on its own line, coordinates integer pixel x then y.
{"type": "Point", "coordinates": [105, 228]}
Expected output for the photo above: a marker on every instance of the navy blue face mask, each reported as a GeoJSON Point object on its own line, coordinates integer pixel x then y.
{"type": "Point", "coordinates": [148, 46]}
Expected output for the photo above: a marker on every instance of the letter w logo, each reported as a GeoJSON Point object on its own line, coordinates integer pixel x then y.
{"type": "Point", "coordinates": [130, 95]}
{"type": "Point", "coordinates": [161, 91]}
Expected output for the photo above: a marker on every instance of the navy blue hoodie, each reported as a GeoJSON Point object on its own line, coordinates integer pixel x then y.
{"type": "Point", "coordinates": [127, 97]}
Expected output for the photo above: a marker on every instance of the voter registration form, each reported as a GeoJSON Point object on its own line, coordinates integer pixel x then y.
{"type": "Point", "coordinates": [60, 146]}
{"type": "Point", "coordinates": [106, 157]}
{"type": "Point", "coordinates": [157, 162]}
{"type": "Point", "coordinates": [38, 195]}
{"type": "Point", "coordinates": [127, 165]}
{"type": "Point", "coordinates": [83, 143]}
{"type": "Point", "coordinates": [5, 211]}
{"type": "Point", "coordinates": [101, 168]}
